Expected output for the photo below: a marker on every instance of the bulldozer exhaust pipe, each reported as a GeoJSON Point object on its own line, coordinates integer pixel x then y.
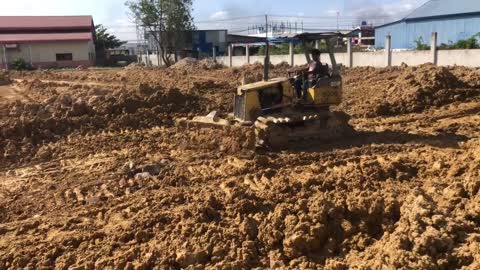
{"type": "Point", "coordinates": [266, 64]}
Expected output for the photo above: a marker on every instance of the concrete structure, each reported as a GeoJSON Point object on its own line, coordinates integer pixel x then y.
{"type": "Point", "coordinates": [50, 41]}
{"type": "Point", "coordinates": [469, 58]}
{"type": "Point", "coordinates": [453, 20]}
{"type": "Point", "coordinates": [198, 43]}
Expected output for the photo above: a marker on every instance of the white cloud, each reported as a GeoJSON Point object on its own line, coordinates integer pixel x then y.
{"type": "Point", "coordinates": [220, 15]}
{"type": "Point", "coordinates": [331, 12]}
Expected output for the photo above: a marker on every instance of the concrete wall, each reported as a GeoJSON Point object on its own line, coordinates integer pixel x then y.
{"type": "Point", "coordinates": [44, 54]}
{"type": "Point", "coordinates": [374, 59]}
{"type": "Point", "coordinates": [412, 58]}
{"type": "Point", "coordinates": [469, 58]}
{"type": "Point", "coordinates": [387, 57]}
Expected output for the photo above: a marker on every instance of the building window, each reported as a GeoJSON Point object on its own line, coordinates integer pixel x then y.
{"type": "Point", "coordinates": [64, 57]}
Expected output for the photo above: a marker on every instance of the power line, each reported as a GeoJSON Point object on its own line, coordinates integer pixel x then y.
{"type": "Point", "coordinates": [324, 17]}
{"type": "Point", "coordinates": [230, 19]}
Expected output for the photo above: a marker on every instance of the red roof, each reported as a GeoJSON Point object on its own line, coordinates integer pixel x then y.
{"type": "Point", "coordinates": [45, 22]}
{"type": "Point", "coordinates": [14, 38]}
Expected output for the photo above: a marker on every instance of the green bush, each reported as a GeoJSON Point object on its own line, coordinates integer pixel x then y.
{"type": "Point", "coordinates": [421, 45]}
{"type": "Point", "coordinates": [20, 64]}
{"type": "Point", "coordinates": [469, 43]}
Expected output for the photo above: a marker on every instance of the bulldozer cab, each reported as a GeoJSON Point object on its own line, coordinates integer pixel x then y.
{"type": "Point", "coordinates": [324, 87]}
{"type": "Point", "coordinates": [326, 43]}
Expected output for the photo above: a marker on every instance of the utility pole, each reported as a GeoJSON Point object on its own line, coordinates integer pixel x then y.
{"type": "Point", "coordinates": [5, 56]}
{"type": "Point", "coordinates": [266, 63]}
{"type": "Point", "coordinates": [338, 17]}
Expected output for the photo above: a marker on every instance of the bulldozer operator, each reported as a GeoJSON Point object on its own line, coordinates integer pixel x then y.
{"type": "Point", "coordinates": [315, 71]}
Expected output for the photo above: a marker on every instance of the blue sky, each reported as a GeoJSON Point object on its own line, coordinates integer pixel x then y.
{"type": "Point", "coordinates": [113, 13]}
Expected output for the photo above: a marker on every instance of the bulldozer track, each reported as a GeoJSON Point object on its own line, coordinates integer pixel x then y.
{"type": "Point", "coordinates": [276, 132]}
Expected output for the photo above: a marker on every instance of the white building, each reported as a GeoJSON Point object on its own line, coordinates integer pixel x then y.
{"type": "Point", "coordinates": [47, 41]}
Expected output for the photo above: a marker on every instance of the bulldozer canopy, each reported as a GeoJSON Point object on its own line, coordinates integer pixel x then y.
{"type": "Point", "coordinates": [317, 36]}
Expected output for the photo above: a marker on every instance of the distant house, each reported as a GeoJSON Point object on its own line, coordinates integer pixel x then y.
{"type": "Point", "coordinates": [47, 41]}
{"type": "Point", "coordinates": [452, 20]}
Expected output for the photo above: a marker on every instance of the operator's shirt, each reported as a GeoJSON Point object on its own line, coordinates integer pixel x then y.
{"type": "Point", "coordinates": [314, 69]}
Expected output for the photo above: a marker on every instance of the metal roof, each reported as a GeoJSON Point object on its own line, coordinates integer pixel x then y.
{"type": "Point", "coordinates": [12, 23]}
{"type": "Point", "coordinates": [15, 38]}
{"type": "Point", "coordinates": [244, 39]}
{"type": "Point", "coordinates": [437, 8]}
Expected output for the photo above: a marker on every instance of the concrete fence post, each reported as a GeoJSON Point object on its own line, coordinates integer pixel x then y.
{"type": "Point", "coordinates": [349, 53]}
{"type": "Point", "coordinates": [30, 53]}
{"type": "Point", "coordinates": [5, 56]}
{"type": "Point", "coordinates": [292, 55]}
{"type": "Point", "coordinates": [160, 57]}
{"type": "Point", "coordinates": [247, 53]}
{"type": "Point", "coordinates": [317, 44]}
{"type": "Point", "coordinates": [388, 50]}
{"type": "Point", "coordinates": [230, 55]}
{"type": "Point", "coordinates": [214, 53]}
{"type": "Point", "coordinates": [148, 59]}
{"type": "Point", "coordinates": [433, 48]}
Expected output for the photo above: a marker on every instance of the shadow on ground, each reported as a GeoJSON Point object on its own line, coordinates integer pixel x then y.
{"type": "Point", "coordinates": [389, 137]}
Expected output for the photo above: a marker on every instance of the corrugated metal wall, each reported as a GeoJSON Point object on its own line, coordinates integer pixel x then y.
{"type": "Point", "coordinates": [450, 30]}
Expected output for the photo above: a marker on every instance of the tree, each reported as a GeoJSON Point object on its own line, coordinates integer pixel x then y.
{"type": "Point", "coordinates": [104, 40]}
{"type": "Point", "coordinates": [167, 22]}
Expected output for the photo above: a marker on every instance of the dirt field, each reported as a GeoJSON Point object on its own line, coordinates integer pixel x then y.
{"type": "Point", "coordinates": [94, 175]}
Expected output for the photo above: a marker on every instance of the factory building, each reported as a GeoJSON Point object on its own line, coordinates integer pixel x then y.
{"type": "Point", "coordinates": [197, 43]}
{"type": "Point", "coordinates": [452, 20]}
{"type": "Point", "coordinates": [47, 41]}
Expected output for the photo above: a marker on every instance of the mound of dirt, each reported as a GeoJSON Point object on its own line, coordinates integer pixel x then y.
{"type": "Point", "coordinates": [406, 89]}
{"type": "Point", "coordinates": [209, 64]}
{"type": "Point", "coordinates": [283, 65]}
{"type": "Point", "coordinates": [191, 64]}
{"type": "Point", "coordinates": [27, 125]}
{"type": "Point", "coordinates": [135, 66]}
{"type": "Point", "coordinates": [186, 63]}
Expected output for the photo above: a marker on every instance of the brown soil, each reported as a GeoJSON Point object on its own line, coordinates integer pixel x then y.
{"type": "Point", "coordinates": [399, 90]}
{"type": "Point", "coordinates": [94, 175]}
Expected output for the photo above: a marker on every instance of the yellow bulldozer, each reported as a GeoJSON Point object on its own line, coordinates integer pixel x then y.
{"type": "Point", "coordinates": [291, 109]}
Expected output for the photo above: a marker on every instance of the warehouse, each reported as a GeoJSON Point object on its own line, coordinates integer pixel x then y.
{"type": "Point", "coordinates": [453, 20]}
{"type": "Point", "coordinates": [47, 41]}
